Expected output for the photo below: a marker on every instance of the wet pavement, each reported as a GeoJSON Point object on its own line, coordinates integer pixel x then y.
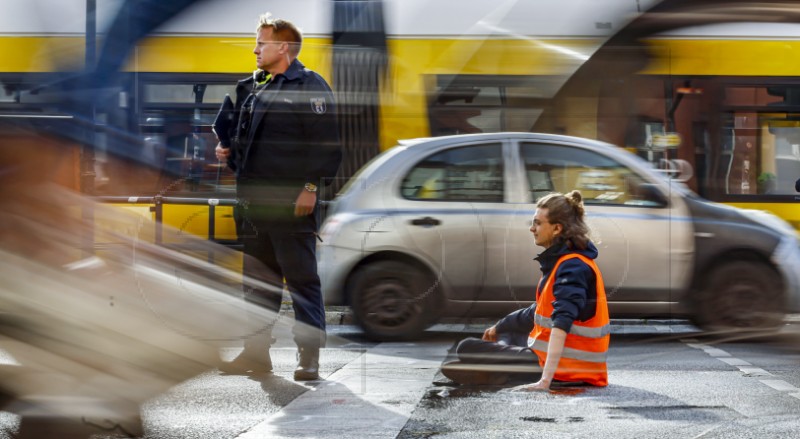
{"type": "Point", "coordinates": [666, 380]}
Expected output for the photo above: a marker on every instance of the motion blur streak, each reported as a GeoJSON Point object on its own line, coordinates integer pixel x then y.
{"type": "Point", "coordinates": [94, 336]}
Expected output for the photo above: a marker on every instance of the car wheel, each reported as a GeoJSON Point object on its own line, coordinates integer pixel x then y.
{"type": "Point", "coordinates": [392, 300]}
{"type": "Point", "coordinates": [741, 295]}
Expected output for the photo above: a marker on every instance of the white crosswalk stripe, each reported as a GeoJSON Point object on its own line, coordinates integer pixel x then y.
{"type": "Point", "coordinates": [372, 396]}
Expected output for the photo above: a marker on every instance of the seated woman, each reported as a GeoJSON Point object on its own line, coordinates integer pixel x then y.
{"type": "Point", "coordinates": [564, 336]}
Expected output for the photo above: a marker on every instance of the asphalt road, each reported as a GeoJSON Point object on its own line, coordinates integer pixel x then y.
{"type": "Point", "coordinates": [666, 380]}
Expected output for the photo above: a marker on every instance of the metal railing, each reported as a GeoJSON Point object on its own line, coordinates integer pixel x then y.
{"type": "Point", "coordinates": [158, 202]}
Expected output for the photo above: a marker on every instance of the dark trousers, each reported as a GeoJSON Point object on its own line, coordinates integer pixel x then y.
{"type": "Point", "coordinates": [273, 253]}
{"type": "Point", "coordinates": [509, 356]}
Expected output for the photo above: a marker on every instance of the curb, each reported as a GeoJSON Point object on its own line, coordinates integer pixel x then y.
{"type": "Point", "coordinates": [343, 315]}
{"type": "Point", "coordinates": [334, 315]}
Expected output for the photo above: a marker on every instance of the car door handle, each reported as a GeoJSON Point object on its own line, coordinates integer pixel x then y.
{"type": "Point", "coordinates": [426, 222]}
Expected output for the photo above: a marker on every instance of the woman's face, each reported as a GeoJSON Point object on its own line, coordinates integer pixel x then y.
{"type": "Point", "coordinates": [544, 232]}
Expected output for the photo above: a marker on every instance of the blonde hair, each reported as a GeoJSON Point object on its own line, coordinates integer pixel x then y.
{"type": "Point", "coordinates": [282, 30]}
{"type": "Point", "coordinates": [567, 210]}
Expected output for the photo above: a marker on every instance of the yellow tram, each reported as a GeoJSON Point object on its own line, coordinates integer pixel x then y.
{"type": "Point", "coordinates": [714, 98]}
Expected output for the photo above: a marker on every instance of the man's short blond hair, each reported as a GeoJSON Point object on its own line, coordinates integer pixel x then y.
{"type": "Point", "coordinates": [282, 30]}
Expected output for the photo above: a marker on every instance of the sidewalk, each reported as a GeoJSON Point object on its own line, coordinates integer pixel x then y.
{"type": "Point", "coordinates": [343, 315]}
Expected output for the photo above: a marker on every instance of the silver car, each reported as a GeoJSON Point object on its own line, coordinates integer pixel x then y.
{"type": "Point", "coordinates": [439, 228]}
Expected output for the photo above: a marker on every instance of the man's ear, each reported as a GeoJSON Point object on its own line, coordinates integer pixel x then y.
{"type": "Point", "coordinates": [557, 229]}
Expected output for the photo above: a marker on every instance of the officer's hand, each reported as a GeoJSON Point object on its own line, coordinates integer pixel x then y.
{"type": "Point", "coordinates": [305, 203]}
{"type": "Point", "coordinates": [490, 334]}
{"type": "Point", "coordinates": [222, 153]}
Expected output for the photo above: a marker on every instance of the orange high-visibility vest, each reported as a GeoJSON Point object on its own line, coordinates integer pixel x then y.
{"type": "Point", "coordinates": [586, 346]}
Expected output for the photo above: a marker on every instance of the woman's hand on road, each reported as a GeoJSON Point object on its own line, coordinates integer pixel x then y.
{"type": "Point", "coordinates": [539, 385]}
{"type": "Point", "coordinates": [490, 334]}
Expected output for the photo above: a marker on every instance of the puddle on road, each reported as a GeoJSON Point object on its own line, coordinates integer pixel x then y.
{"type": "Point", "coordinates": [440, 397]}
{"type": "Point", "coordinates": [567, 391]}
{"type": "Point", "coordinates": [673, 413]}
{"type": "Point", "coordinates": [538, 419]}
{"type": "Point", "coordinates": [570, 419]}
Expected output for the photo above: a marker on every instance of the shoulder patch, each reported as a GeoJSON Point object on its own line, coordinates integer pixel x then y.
{"type": "Point", "coordinates": [318, 105]}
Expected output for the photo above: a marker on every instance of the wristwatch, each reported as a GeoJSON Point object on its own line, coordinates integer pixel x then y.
{"type": "Point", "coordinates": [311, 187]}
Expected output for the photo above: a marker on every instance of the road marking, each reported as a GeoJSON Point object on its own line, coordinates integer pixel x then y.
{"type": "Point", "coordinates": [754, 371]}
{"type": "Point", "coordinates": [780, 385]}
{"type": "Point", "coordinates": [734, 361]}
{"type": "Point", "coordinates": [372, 396]}
{"type": "Point", "coordinates": [715, 352]}
{"type": "Point", "coordinates": [710, 350]}
{"type": "Point", "coordinates": [747, 368]}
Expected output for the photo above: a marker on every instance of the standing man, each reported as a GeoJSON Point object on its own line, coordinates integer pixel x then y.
{"type": "Point", "coordinates": [285, 145]}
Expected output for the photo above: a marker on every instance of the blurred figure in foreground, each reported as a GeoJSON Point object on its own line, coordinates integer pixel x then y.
{"type": "Point", "coordinates": [95, 318]}
{"type": "Point", "coordinates": [564, 336]}
{"type": "Point", "coordinates": [286, 143]}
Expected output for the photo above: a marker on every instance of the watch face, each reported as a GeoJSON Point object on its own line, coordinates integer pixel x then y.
{"type": "Point", "coordinates": [311, 187]}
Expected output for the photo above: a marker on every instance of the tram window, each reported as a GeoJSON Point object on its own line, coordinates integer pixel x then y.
{"type": "Point", "coordinates": [474, 96]}
{"type": "Point", "coordinates": [185, 93]}
{"type": "Point", "coordinates": [488, 121]}
{"type": "Point", "coordinates": [554, 168]}
{"type": "Point", "coordinates": [760, 154]}
{"type": "Point", "coordinates": [779, 164]}
{"type": "Point", "coordinates": [750, 96]}
{"type": "Point", "coordinates": [153, 120]}
{"type": "Point", "coordinates": [462, 104]}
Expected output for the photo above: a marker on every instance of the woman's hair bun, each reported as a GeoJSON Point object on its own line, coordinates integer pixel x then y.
{"type": "Point", "coordinates": [575, 197]}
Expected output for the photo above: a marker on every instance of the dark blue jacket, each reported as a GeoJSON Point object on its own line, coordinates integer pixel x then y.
{"type": "Point", "coordinates": [291, 137]}
{"type": "Point", "coordinates": [574, 290]}
{"type": "Point", "coordinates": [293, 131]}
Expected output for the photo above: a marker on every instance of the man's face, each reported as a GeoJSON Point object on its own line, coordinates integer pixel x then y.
{"type": "Point", "coordinates": [268, 51]}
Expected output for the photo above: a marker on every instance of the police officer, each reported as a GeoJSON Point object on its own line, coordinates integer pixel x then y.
{"type": "Point", "coordinates": [285, 144]}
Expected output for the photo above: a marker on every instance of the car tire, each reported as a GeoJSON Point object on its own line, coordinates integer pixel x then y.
{"type": "Point", "coordinates": [741, 295]}
{"type": "Point", "coordinates": [393, 300]}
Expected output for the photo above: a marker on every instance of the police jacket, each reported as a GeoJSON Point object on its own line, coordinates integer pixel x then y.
{"type": "Point", "coordinates": [287, 135]}
{"type": "Point", "coordinates": [574, 291]}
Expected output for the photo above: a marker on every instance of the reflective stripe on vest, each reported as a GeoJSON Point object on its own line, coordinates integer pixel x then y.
{"type": "Point", "coordinates": [592, 357]}
{"type": "Point", "coordinates": [586, 346]}
{"type": "Point", "coordinates": [583, 331]}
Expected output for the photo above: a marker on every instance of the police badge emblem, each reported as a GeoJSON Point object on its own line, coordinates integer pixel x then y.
{"type": "Point", "coordinates": [318, 105]}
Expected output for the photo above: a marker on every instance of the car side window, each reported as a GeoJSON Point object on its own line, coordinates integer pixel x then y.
{"type": "Point", "coordinates": [468, 173]}
{"type": "Point", "coordinates": [601, 180]}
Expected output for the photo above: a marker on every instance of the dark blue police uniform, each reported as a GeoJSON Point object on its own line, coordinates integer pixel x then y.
{"type": "Point", "coordinates": [287, 135]}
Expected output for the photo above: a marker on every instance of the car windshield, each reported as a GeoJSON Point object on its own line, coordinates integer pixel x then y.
{"type": "Point", "coordinates": [365, 170]}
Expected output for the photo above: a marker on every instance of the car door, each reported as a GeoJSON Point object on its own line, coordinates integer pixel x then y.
{"type": "Point", "coordinates": [643, 238]}
{"type": "Point", "coordinates": [439, 210]}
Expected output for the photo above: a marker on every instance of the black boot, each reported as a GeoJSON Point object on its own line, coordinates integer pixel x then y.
{"type": "Point", "coordinates": [254, 359]}
{"type": "Point", "coordinates": [308, 364]}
